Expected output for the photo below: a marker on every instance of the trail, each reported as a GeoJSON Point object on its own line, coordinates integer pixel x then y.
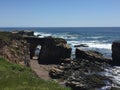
{"type": "Point", "coordinates": [41, 70]}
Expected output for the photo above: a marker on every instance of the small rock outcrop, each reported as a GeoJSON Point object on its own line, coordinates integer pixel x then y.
{"type": "Point", "coordinates": [53, 50]}
{"type": "Point", "coordinates": [90, 55]}
{"type": "Point", "coordinates": [23, 32]}
{"type": "Point", "coordinates": [116, 52]}
{"type": "Point", "coordinates": [81, 45]}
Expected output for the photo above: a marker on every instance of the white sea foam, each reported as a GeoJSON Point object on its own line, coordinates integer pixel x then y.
{"type": "Point", "coordinates": [99, 45]}
{"type": "Point", "coordinates": [36, 33]}
{"type": "Point", "coordinates": [92, 44]}
{"type": "Point", "coordinates": [114, 74]}
{"type": "Point", "coordinates": [66, 36]}
{"type": "Point", "coordinates": [41, 34]}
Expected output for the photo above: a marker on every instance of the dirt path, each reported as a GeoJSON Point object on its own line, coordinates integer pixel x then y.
{"type": "Point", "coordinates": [41, 70]}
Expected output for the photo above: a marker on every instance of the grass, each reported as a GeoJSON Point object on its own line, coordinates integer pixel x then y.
{"type": "Point", "coordinates": [5, 36]}
{"type": "Point", "coordinates": [17, 77]}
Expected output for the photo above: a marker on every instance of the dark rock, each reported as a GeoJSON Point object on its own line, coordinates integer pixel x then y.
{"type": "Point", "coordinates": [81, 45]}
{"type": "Point", "coordinates": [89, 82]}
{"type": "Point", "coordinates": [39, 35]}
{"type": "Point", "coordinates": [81, 74]}
{"type": "Point", "coordinates": [53, 50]}
{"type": "Point", "coordinates": [116, 52]}
{"type": "Point", "coordinates": [66, 60]}
{"type": "Point", "coordinates": [90, 55]}
{"type": "Point", "coordinates": [115, 88]}
{"type": "Point", "coordinates": [34, 42]}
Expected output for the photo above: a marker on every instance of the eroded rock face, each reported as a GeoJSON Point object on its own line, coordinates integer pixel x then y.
{"type": "Point", "coordinates": [16, 52]}
{"type": "Point", "coordinates": [91, 55]}
{"type": "Point", "coordinates": [116, 52]}
{"type": "Point", "coordinates": [14, 48]}
{"type": "Point", "coordinates": [53, 50]}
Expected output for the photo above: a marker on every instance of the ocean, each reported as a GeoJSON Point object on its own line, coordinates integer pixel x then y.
{"type": "Point", "coordinates": [97, 38]}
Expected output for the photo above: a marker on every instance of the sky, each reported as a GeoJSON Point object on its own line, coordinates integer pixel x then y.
{"type": "Point", "coordinates": [59, 13]}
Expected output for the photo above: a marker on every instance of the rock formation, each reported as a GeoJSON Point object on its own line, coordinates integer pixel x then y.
{"type": "Point", "coordinates": [116, 52]}
{"type": "Point", "coordinates": [91, 55]}
{"type": "Point", "coordinates": [81, 74]}
{"type": "Point", "coordinates": [84, 72]}
{"type": "Point", "coordinates": [14, 48]}
{"type": "Point", "coordinates": [53, 50]}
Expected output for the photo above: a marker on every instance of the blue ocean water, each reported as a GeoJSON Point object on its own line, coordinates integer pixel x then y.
{"type": "Point", "coordinates": [97, 38]}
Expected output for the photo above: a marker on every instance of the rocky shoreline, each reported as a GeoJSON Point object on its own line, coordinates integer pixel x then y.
{"type": "Point", "coordinates": [81, 73]}
{"type": "Point", "coordinates": [84, 72]}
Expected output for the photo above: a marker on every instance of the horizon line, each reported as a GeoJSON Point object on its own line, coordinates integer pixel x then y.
{"type": "Point", "coordinates": [64, 27]}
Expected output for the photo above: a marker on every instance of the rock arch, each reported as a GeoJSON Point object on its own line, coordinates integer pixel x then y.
{"type": "Point", "coordinates": [52, 49]}
{"type": "Point", "coordinates": [33, 43]}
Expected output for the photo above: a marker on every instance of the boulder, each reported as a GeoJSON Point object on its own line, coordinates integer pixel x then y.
{"type": "Point", "coordinates": [90, 55]}
{"type": "Point", "coordinates": [55, 73]}
{"type": "Point", "coordinates": [53, 50]}
{"type": "Point", "coordinates": [116, 52]}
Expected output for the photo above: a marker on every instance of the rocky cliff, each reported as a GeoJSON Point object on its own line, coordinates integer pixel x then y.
{"type": "Point", "coordinates": [14, 48]}
{"type": "Point", "coordinates": [53, 50]}
{"type": "Point", "coordinates": [20, 46]}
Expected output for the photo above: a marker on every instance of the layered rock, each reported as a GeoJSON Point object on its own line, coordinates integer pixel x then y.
{"type": "Point", "coordinates": [81, 74]}
{"type": "Point", "coordinates": [91, 55]}
{"type": "Point", "coordinates": [53, 50]}
{"type": "Point", "coordinates": [116, 52]}
{"type": "Point", "coordinates": [14, 48]}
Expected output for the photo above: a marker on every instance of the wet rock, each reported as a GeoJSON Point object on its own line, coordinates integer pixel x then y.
{"type": "Point", "coordinates": [81, 45]}
{"type": "Point", "coordinates": [89, 82]}
{"type": "Point", "coordinates": [82, 74]}
{"type": "Point", "coordinates": [53, 50]}
{"type": "Point", "coordinates": [39, 35]}
{"type": "Point", "coordinates": [116, 52]}
{"type": "Point", "coordinates": [90, 55]}
{"type": "Point", "coordinates": [115, 88]}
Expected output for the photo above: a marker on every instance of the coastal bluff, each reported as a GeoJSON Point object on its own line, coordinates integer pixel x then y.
{"type": "Point", "coordinates": [20, 46]}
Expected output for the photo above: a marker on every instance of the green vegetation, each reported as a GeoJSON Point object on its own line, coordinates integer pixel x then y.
{"type": "Point", "coordinates": [17, 77]}
{"type": "Point", "coordinates": [5, 36]}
